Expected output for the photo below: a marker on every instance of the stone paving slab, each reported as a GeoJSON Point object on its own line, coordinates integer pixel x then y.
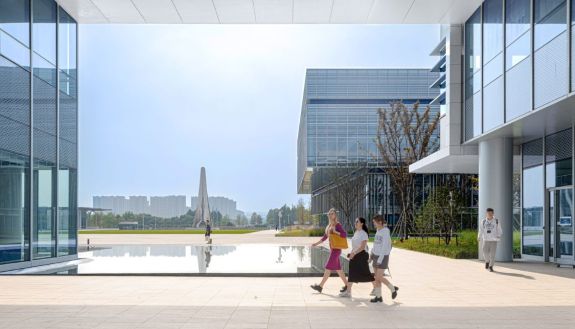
{"type": "Point", "coordinates": [435, 292]}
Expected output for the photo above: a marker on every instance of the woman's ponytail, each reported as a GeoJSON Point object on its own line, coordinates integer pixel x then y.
{"type": "Point", "coordinates": [363, 224]}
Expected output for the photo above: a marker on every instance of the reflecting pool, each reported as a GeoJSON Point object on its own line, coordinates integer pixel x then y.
{"type": "Point", "coordinates": [244, 258]}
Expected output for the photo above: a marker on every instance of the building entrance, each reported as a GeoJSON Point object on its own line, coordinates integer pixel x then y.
{"type": "Point", "coordinates": [560, 238]}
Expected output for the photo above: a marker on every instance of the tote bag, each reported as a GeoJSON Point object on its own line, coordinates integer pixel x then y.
{"type": "Point", "coordinates": [337, 242]}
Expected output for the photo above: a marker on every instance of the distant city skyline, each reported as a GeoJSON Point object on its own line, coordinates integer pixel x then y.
{"type": "Point", "coordinates": [224, 97]}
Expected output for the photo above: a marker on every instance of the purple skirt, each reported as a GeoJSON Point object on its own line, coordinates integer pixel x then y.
{"type": "Point", "coordinates": [333, 263]}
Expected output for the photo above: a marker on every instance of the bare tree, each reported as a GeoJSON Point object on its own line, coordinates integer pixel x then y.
{"type": "Point", "coordinates": [405, 136]}
{"type": "Point", "coordinates": [348, 191]}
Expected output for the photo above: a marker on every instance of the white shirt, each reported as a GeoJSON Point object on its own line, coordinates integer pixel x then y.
{"type": "Point", "coordinates": [489, 230]}
{"type": "Point", "coordinates": [358, 238]}
{"type": "Point", "coordinates": [382, 244]}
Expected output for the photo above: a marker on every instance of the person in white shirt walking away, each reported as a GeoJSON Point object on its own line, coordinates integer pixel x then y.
{"type": "Point", "coordinates": [489, 234]}
{"type": "Point", "coordinates": [380, 258]}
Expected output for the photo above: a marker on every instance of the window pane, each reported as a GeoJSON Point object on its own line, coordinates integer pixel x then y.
{"type": "Point", "coordinates": [492, 29]}
{"type": "Point", "coordinates": [518, 51]}
{"type": "Point", "coordinates": [15, 19]}
{"type": "Point", "coordinates": [67, 30]}
{"type": "Point", "coordinates": [473, 44]}
{"type": "Point", "coordinates": [550, 20]}
{"type": "Point", "coordinates": [15, 205]}
{"type": "Point", "coordinates": [559, 173]}
{"type": "Point", "coordinates": [533, 203]}
{"type": "Point", "coordinates": [493, 105]}
{"type": "Point", "coordinates": [517, 18]}
{"type": "Point", "coordinates": [14, 50]}
{"type": "Point", "coordinates": [518, 91]}
{"type": "Point", "coordinates": [44, 29]}
{"type": "Point", "coordinates": [493, 69]}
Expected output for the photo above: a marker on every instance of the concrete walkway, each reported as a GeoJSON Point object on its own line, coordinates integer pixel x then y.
{"type": "Point", "coordinates": [435, 292]}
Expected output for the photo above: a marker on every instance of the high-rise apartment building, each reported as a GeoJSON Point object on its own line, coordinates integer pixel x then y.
{"type": "Point", "coordinates": [168, 206]}
{"type": "Point", "coordinates": [226, 206]}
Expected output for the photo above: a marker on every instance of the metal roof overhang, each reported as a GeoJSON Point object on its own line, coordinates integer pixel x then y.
{"type": "Point", "coordinates": [270, 11]}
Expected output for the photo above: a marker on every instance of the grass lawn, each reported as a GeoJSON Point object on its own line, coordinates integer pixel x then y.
{"type": "Point", "coordinates": [302, 232]}
{"type": "Point", "coordinates": [164, 231]}
{"type": "Point", "coordinates": [465, 249]}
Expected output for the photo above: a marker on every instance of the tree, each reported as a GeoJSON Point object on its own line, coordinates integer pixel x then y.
{"type": "Point", "coordinates": [256, 219]}
{"type": "Point", "coordinates": [441, 211]}
{"type": "Point", "coordinates": [405, 136]}
{"type": "Point", "coordinates": [348, 190]}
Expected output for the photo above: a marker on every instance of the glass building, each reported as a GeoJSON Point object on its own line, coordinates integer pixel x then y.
{"type": "Point", "coordinates": [516, 116]}
{"type": "Point", "coordinates": [38, 133]}
{"type": "Point", "coordinates": [338, 130]}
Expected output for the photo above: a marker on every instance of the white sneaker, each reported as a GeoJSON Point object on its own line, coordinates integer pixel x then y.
{"type": "Point", "coordinates": [372, 293]}
{"type": "Point", "coordinates": [345, 294]}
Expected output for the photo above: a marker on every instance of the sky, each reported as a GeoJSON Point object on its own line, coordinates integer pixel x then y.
{"type": "Point", "coordinates": [158, 102]}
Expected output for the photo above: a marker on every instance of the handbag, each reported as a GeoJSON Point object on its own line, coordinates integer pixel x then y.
{"type": "Point", "coordinates": [337, 242]}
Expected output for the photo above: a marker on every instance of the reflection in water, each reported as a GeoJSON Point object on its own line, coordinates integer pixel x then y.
{"type": "Point", "coordinates": [196, 259]}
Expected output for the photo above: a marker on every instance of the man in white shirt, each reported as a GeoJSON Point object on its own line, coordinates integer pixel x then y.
{"type": "Point", "coordinates": [490, 234]}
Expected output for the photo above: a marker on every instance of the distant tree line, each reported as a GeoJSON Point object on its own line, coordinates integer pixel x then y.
{"type": "Point", "coordinates": [148, 222]}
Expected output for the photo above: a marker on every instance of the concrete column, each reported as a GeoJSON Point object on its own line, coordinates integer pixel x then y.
{"type": "Point", "coordinates": [496, 190]}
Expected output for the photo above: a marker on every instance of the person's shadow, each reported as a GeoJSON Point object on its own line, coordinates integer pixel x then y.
{"type": "Point", "coordinates": [515, 275]}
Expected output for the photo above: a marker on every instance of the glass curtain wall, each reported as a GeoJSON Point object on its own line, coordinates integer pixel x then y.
{"type": "Point", "coordinates": [473, 118]}
{"type": "Point", "coordinates": [533, 199]}
{"type": "Point", "coordinates": [518, 75]}
{"type": "Point", "coordinates": [493, 114]}
{"type": "Point", "coordinates": [550, 51]}
{"type": "Point", "coordinates": [37, 201]}
{"type": "Point", "coordinates": [44, 122]}
{"type": "Point", "coordinates": [67, 174]}
{"type": "Point", "coordinates": [14, 130]}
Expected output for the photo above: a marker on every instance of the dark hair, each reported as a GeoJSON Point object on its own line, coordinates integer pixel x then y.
{"type": "Point", "coordinates": [380, 218]}
{"type": "Point", "coordinates": [490, 210]}
{"type": "Point", "coordinates": [363, 224]}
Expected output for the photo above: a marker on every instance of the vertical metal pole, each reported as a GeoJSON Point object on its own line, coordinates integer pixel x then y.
{"type": "Point", "coordinates": [31, 173]}
{"type": "Point", "coordinates": [56, 220]}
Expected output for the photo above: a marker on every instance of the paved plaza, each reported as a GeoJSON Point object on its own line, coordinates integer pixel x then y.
{"type": "Point", "coordinates": [435, 292]}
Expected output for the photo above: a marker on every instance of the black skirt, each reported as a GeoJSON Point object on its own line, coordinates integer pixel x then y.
{"type": "Point", "coordinates": [359, 268]}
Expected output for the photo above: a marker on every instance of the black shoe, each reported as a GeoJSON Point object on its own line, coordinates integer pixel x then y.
{"type": "Point", "coordinates": [394, 293]}
{"type": "Point", "coordinates": [491, 269]}
{"type": "Point", "coordinates": [343, 289]}
{"type": "Point", "coordinates": [486, 265]}
{"type": "Point", "coordinates": [376, 300]}
{"type": "Point", "coordinates": [316, 287]}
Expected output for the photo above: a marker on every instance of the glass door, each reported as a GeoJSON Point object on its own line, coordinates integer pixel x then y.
{"type": "Point", "coordinates": [561, 235]}
{"type": "Point", "coordinates": [564, 220]}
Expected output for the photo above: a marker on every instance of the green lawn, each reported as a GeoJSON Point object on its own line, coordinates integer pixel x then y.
{"type": "Point", "coordinates": [302, 232]}
{"type": "Point", "coordinates": [164, 231]}
{"type": "Point", "coordinates": [465, 249]}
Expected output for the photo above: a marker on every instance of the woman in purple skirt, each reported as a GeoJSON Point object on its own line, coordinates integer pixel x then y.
{"type": "Point", "coordinates": [333, 263]}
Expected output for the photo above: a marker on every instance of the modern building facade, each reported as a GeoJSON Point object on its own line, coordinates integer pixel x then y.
{"type": "Point", "coordinates": [338, 128]}
{"type": "Point", "coordinates": [38, 133]}
{"type": "Point", "coordinates": [510, 82]}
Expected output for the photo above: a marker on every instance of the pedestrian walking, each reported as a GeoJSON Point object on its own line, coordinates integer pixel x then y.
{"type": "Point", "coordinates": [489, 235]}
{"type": "Point", "coordinates": [358, 258]}
{"type": "Point", "coordinates": [335, 233]}
{"type": "Point", "coordinates": [208, 234]}
{"type": "Point", "coordinates": [380, 258]}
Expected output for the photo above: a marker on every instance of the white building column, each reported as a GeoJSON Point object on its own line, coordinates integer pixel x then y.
{"type": "Point", "coordinates": [496, 190]}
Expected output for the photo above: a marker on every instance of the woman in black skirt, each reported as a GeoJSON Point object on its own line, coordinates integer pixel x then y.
{"type": "Point", "coordinates": [358, 258]}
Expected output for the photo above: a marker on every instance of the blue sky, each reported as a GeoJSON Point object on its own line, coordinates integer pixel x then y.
{"type": "Point", "coordinates": [157, 102]}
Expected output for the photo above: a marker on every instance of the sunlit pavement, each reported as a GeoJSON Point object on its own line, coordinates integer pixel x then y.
{"type": "Point", "coordinates": [434, 292]}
